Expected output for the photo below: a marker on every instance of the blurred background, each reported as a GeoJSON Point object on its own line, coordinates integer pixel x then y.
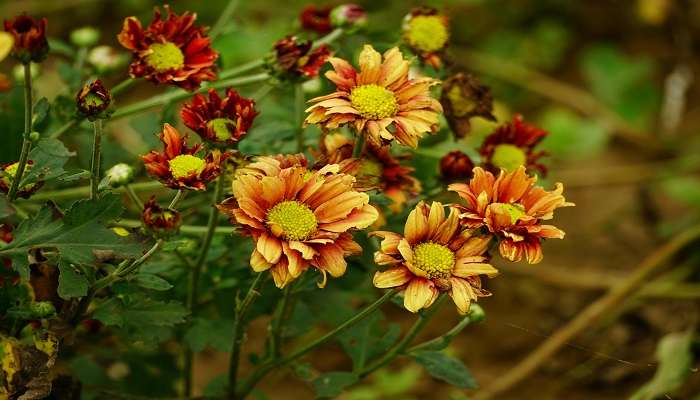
{"type": "Point", "coordinates": [614, 82]}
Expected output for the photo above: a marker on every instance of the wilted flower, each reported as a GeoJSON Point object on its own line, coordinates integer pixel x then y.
{"type": "Point", "coordinates": [179, 166]}
{"type": "Point", "coordinates": [119, 175]}
{"type": "Point", "coordinates": [435, 254]}
{"type": "Point", "coordinates": [513, 145]}
{"type": "Point", "coordinates": [294, 59]}
{"type": "Point", "coordinates": [161, 221]}
{"type": "Point", "coordinates": [106, 59]}
{"type": "Point", "coordinates": [316, 19]}
{"type": "Point", "coordinates": [349, 16]}
{"type": "Point", "coordinates": [298, 217]}
{"type": "Point", "coordinates": [29, 36]}
{"type": "Point", "coordinates": [427, 33]}
{"type": "Point", "coordinates": [220, 121]}
{"type": "Point", "coordinates": [10, 170]}
{"type": "Point", "coordinates": [380, 100]}
{"type": "Point", "coordinates": [173, 51]}
{"type": "Point", "coordinates": [93, 100]}
{"type": "Point", "coordinates": [464, 98]}
{"type": "Point", "coordinates": [455, 166]}
{"type": "Point", "coordinates": [512, 208]}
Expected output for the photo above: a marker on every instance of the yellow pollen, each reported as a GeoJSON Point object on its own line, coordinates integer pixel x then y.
{"type": "Point", "coordinates": [296, 220]}
{"type": "Point", "coordinates": [374, 102]}
{"type": "Point", "coordinates": [436, 260]}
{"type": "Point", "coordinates": [508, 157]}
{"type": "Point", "coordinates": [516, 211]}
{"type": "Point", "coordinates": [461, 105]}
{"type": "Point", "coordinates": [185, 165]}
{"type": "Point", "coordinates": [222, 128]}
{"type": "Point", "coordinates": [165, 57]}
{"type": "Point", "coordinates": [427, 33]}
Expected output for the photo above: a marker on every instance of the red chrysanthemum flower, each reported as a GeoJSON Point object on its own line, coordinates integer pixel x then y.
{"type": "Point", "coordinates": [296, 59]}
{"type": "Point", "coordinates": [159, 220]}
{"type": "Point", "coordinates": [219, 121]}
{"type": "Point", "coordinates": [427, 33]}
{"type": "Point", "coordinates": [316, 19]}
{"type": "Point", "coordinates": [29, 36]}
{"type": "Point", "coordinates": [455, 166]}
{"type": "Point", "coordinates": [179, 166]}
{"type": "Point", "coordinates": [172, 51]}
{"type": "Point", "coordinates": [10, 170]}
{"type": "Point", "coordinates": [512, 145]}
{"type": "Point", "coordinates": [512, 208]}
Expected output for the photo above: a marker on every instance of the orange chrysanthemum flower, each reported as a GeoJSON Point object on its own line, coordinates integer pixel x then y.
{"type": "Point", "coordinates": [376, 168]}
{"type": "Point", "coordinates": [513, 208]}
{"type": "Point", "coordinates": [179, 166]}
{"type": "Point", "coordinates": [512, 145]}
{"type": "Point", "coordinates": [435, 254]}
{"type": "Point", "coordinates": [380, 100]}
{"type": "Point", "coordinates": [172, 51]}
{"type": "Point", "coordinates": [298, 217]}
{"type": "Point", "coordinates": [427, 33]}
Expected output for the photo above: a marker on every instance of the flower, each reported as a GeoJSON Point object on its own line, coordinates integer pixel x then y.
{"type": "Point", "coordinates": [29, 36]}
{"type": "Point", "coordinates": [10, 170]}
{"type": "Point", "coordinates": [464, 98]}
{"type": "Point", "coordinates": [376, 168]}
{"type": "Point", "coordinates": [427, 33]}
{"type": "Point", "coordinates": [455, 166]}
{"type": "Point", "coordinates": [172, 51]}
{"type": "Point", "coordinates": [435, 254]}
{"type": "Point", "coordinates": [294, 59]}
{"type": "Point", "coordinates": [380, 100]}
{"type": "Point", "coordinates": [513, 145]}
{"type": "Point", "coordinates": [316, 19]}
{"type": "Point", "coordinates": [119, 175]}
{"type": "Point", "coordinates": [179, 166]}
{"type": "Point", "coordinates": [220, 121]}
{"type": "Point", "coordinates": [512, 208]}
{"type": "Point", "coordinates": [159, 220]}
{"type": "Point", "coordinates": [349, 16]}
{"type": "Point", "coordinates": [93, 100]}
{"type": "Point", "coordinates": [298, 217]}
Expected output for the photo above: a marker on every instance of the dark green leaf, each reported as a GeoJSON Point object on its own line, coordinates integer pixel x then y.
{"type": "Point", "coordinates": [6, 208]}
{"type": "Point", "coordinates": [48, 157]}
{"type": "Point", "coordinates": [140, 312]}
{"type": "Point", "coordinates": [41, 111]}
{"type": "Point", "coordinates": [71, 283]}
{"type": "Point", "coordinates": [332, 384]}
{"type": "Point", "coordinates": [446, 368]}
{"type": "Point", "coordinates": [206, 333]}
{"type": "Point", "coordinates": [153, 282]}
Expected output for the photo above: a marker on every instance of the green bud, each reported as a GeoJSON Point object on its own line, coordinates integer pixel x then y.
{"type": "Point", "coordinates": [119, 175]}
{"type": "Point", "coordinates": [476, 313]}
{"type": "Point", "coordinates": [42, 309]}
{"type": "Point", "coordinates": [34, 136]}
{"type": "Point", "coordinates": [86, 36]}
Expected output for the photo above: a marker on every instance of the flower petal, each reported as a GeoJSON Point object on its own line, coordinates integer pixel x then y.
{"type": "Point", "coordinates": [392, 277]}
{"type": "Point", "coordinates": [417, 294]}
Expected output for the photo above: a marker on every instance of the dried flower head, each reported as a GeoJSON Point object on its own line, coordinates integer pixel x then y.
{"type": "Point", "coordinates": [30, 44]}
{"type": "Point", "coordinates": [427, 34]}
{"type": "Point", "coordinates": [173, 51]}
{"type": "Point", "coordinates": [350, 16]}
{"type": "Point", "coordinates": [512, 145]}
{"type": "Point", "coordinates": [160, 221]}
{"type": "Point", "coordinates": [512, 208]}
{"type": "Point", "coordinates": [298, 217]}
{"type": "Point", "coordinates": [316, 19]}
{"type": "Point", "coordinates": [456, 166]}
{"type": "Point", "coordinates": [380, 100]}
{"type": "Point", "coordinates": [93, 100]}
{"type": "Point", "coordinates": [9, 171]}
{"type": "Point", "coordinates": [297, 60]}
{"type": "Point", "coordinates": [435, 254]}
{"type": "Point", "coordinates": [219, 121]}
{"type": "Point", "coordinates": [179, 166]}
{"type": "Point", "coordinates": [464, 98]}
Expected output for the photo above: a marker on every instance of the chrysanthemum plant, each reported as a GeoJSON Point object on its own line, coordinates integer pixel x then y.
{"type": "Point", "coordinates": [109, 283]}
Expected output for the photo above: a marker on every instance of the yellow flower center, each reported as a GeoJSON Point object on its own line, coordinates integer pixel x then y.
{"type": "Point", "coordinates": [434, 259]}
{"type": "Point", "coordinates": [222, 128]}
{"type": "Point", "coordinates": [516, 211]}
{"type": "Point", "coordinates": [508, 157]}
{"type": "Point", "coordinates": [165, 56]}
{"type": "Point", "coordinates": [427, 33]}
{"type": "Point", "coordinates": [185, 165]}
{"type": "Point", "coordinates": [93, 100]}
{"type": "Point", "coordinates": [296, 220]}
{"type": "Point", "coordinates": [374, 102]}
{"type": "Point", "coordinates": [461, 105]}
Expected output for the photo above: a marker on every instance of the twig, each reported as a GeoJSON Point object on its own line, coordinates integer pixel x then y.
{"type": "Point", "coordinates": [95, 162]}
{"type": "Point", "coordinates": [26, 141]}
{"type": "Point", "coordinates": [224, 18]}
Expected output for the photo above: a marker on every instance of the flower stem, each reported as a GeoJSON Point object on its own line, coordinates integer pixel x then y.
{"type": "Point", "coordinates": [261, 371]}
{"type": "Point", "coordinates": [95, 163]}
{"type": "Point", "coordinates": [238, 328]}
{"type": "Point", "coordinates": [359, 145]}
{"type": "Point", "coordinates": [329, 38]}
{"type": "Point", "coordinates": [195, 272]}
{"type": "Point", "coordinates": [122, 86]}
{"type": "Point", "coordinates": [26, 142]}
{"type": "Point", "coordinates": [446, 338]}
{"type": "Point", "coordinates": [298, 116]}
{"type": "Point", "coordinates": [224, 19]}
{"type": "Point", "coordinates": [249, 66]}
{"type": "Point", "coordinates": [278, 321]}
{"type": "Point", "coordinates": [82, 191]}
{"type": "Point", "coordinates": [133, 196]}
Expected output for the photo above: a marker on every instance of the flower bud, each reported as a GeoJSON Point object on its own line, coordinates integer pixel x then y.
{"type": "Point", "coordinates": [106, 59]}
{"type": "Point", "coordinates": [296, 60]}
{"type": "Point", "coordinates": [34, 136]}
{"type": "Point", "coordinates": [93, 100]}
{"type": "Point", "coordinates": [463, 98]}
{"type": "Point", "coordinates": [119, 175]}
{"type": "Point", "coordinates": [29, 36]}
{"type": "Point", "coordinates": [86, 36]}
{"type": "Point", "coordinates": [316, 19]}
{"type": "Point", "coordinates": [456, 166]}
{"type": "Point", "coordinates": [160, 221]}
{"type": "Point", "coordinates": [349, 16]}
{"type": "Point", "coordinates": [476, 313]}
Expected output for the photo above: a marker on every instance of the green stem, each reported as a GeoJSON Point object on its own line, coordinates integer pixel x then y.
{"type": "Point", "coordinates": [64, 128]}
{"type": "Point", "coordinates": [95, 163]}
{"type": "Point", "coordinates": [195, 272]}
{"type": "Point", "coordinates": [122, 86]}
{"type": "Point", "coordinates": [184, 229]}
{"type": "Point", "coordinates": [122, 272]}
{"type": "Point", "coordinates": [238, 328]}
{"type": "Point", "coordinates": [277, 322]}
{"type": "Point", "coordinates": [329, 38]}
{"type": "Point", "coordinates": [249, 66]}
{"type": "Point", "coordinates": [83, 191]}
{"type": "Point", "coordinates": [177, 198]}
{"type": "Point", "coordinates": [299, 116]}
{"type": "Point", "coordinates": [359, 145]}
{"type": "Point", "coordinates": [26, 141]}
{"type": "Point", "coordinates": [475, 315]}
{"type": "Point", "coordinates": [224, 19]}
{"type": "Point", "coordinates": [261, 371]}
{"type": "Point", "coordinates": [134, 197]}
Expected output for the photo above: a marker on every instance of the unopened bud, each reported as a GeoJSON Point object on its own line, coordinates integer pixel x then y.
{"type": "Point", "coordinates": [456, 166]}
{"type": "Point", "coordinates": [93, 100]}
{"type": "Point", "coordinates": [349, 16]}
{"type": "Point", "coordinates": [34, 136]}
{"type": "Point", "coordinates": [476, 313]}
{"type": "Point", "coordinates": [86, 36]}
{"type": "Point", "coordinates": [119, 175]}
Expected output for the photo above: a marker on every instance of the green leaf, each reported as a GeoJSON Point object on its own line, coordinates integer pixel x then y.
{"type": "Point", "coordinates": [332, 384]}
{"type": "Point", "coordinates": [570, 135]}
{"type": "Point", "coordinates": [153, 282]}
{"type": "Point", "coordinates": [206, 333]}
{"type": "Point", "coordinates": [684, 189]}
{"type": "Point", "coordinates": [48, 157]}
{"type": "Point", "coordinates": [368, 339]}
{"type": "Point", "coordinates": [41, 111]}
{"type": "Point", "coordinates": [140, 312]}
{"type": "Point", "coordinates": [6, 208]}
{"type": "Point", "coordinates": [675, 356]}
{"type": "Point", "coordinates": [71, 283]}
{"type": "Point", "coordinates": [446, 368]}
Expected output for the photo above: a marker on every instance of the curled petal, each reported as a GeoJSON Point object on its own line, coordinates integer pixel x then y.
{"type": "Point", "coordinates": [418, 294]}
{"type": "Point", "coordinates": [392, 277]}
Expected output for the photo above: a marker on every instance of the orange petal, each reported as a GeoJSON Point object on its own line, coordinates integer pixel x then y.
{"type": "Point", "coordinates": [390, 241]}
{"type": "Point", "coordinates": [258, 262]}
{"type": "Point", "coordinates": [270, 248]}
{"type": "Point", "coordinates": [418, 293]}
{"type": "Point", "coordinates": [307, 252]}
{"type": "Point", "coordinates": [416, 228]}
{"type": "Point", "coordinates": [370, 65]}
{"type": "Point", "coordinates": [474, 246]}
{"type": "Point", "coordinates": [464, 269]}
{"type": "Point", "coordinates": [462, 294]}
{"type": "Point", "coordinates": [359, 218]}
{"type": "Point", "coordinates": [297, 264]}
{"type": "Point", "coordinates": [392, 277]}
{"type": "Point", "coordinates": [331, 258]}
{"type": "Point", "coordinates": [281, 275]}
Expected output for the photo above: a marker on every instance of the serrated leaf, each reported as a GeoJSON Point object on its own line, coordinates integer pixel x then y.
{"type": "Point", "coordinates": [332, 384]}
{"type": "Point", "coordinates": [48, 157]}
{"type": "Point", "coordinates": [6, 208]}
{"type": "Point", "coordinates": [141, 312]}
{"type": "Point", "coordinates": [71, 283]}
{"type": "Point", "coordinates": [675, 356]}
{"type": "Point", "coordinates": [206, 333]}
{"type": "Point", "coordinates": [449, 369]}
{"type": "Point", "coordinates": [153, 282]}
{"type": "Point", "coordinates": [41, 111]}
